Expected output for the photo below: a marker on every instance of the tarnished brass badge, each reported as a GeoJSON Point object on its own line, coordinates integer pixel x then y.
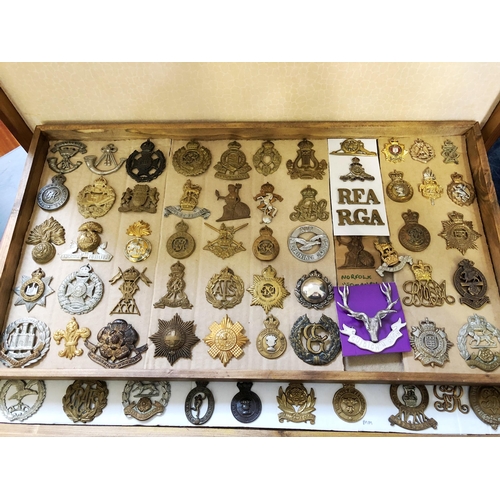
{"type": "Point", "coordinates": [28, 394]}
{"type": "Point", "coordinates": [146, 165]}
{"type": "Point", "coordinates": [192, 159]}
{"type": "Point", "coordinates": [411, 407]}
{"type": "Point", "coordinates": [226, 340]}
{"type": "Point", "coordinates": [107, 158]}
{"type": "Point", "coordinates": [175, 296]}
{"type": "Point", "coordinates": [449, 152]}
{"type": "Point", "coordinates": [140, 199]}
{"type": "Point", "coordinates": [54, 195]}
{"type": "Point", "coordinates": [85, 400]}
{"type": "Point", "coordinates": [33, 291]}
{"type": "Point", "coordinates": [413, 236]}
{"type": "Point", "coordinates": [200, 404]}
{"type": "Point", "coordinates": [71, 335]}
{"type": "Point", "coordinates": [44, 237]}
{"type": "Point", "coordinates": [271, 343]}
{"type": "Point", "coordinates": [422, 151]}
{"type": "Point", "coordinates": [471, 284]}
{"type": "Point", "coordinates": [394, 151]}
{"type": "Point", "coordinates": [143, 400]}
{"type": "Point", "coordinates": [296, 404]}
{"type": "Point", "coordinates": [458, 233]}
{"type": "Point", "coordinates": [67, 149]}
{"type": "Point", "coordinates": [460, 192]}
{"type": "Point", "coordinates": [225, 246]}
{"type": "Point", "coordinates": [233, 164]}
{"type": "Point", "coordinates": [225, 290]}
{"type": "Point", "coordinates": [308, 209]}
{"type": "Point", "coordinates": [485, 402]}
{"type": "Point", "coordinates": [450, 399]}
{"type": "Point", "coordinates": [306, 166]}
{"type": "Point", "coordinates": [116, 345]}
{"type": "Point", "coordinates": [267, 159]}
{"type": "Point", "coordinates": [96, 200]}
{"type": "Point", "coordinates": [315, 343]}
{"type": "Point", "coordinates": [302, 248]}
{"type": "Point", "coordinates": [187, 208]}
{"type": "Point", "coordinates": [181, 244]}
{"type": "Point", "coordinates": [88, 244]}
{"type": "Point", "coordinates": [138, 248]}
{"type": "Point", "coordinates": [356, 172]}
{"type": "Point", "coordinates": [430, 344]}
{"type": "Point", "coordinates": [349, 404]}
{"type": "Point", "coordinates": [356, 257]}
{"type": "Point", "coordinates": [266, 198]}
{"type": "Point", "coordinates": [174, 339]}
{"type": "Point", "coordinates": [481, 338]}
{"type": "Point", "coordinates": [314, 290]}
{"type": "Point", "coordinates": [424, 291]}
{"type": "Point", "coordinates": [246, 406]}
{"type": "Point", "coordinates": [429, 188]}
{"type": "Point", "coordinates": [398, 189]}
{"type": "Point", "coordinates": [234, 208]}
{"type": "Point", "coordinates": [266, 247]}
{"type": "Point", "coordinates": [24, 342]}
{"type": "Point", "coordinates": [80, 291]}
{"type": "Point", "coordinates": [391, 262]}
{"type": "Point", "coordinates": [353, 147]}
{"type": "Point", "coordinates": [129, 287]}
{"type": "Point", "coordinates": [268, 290]}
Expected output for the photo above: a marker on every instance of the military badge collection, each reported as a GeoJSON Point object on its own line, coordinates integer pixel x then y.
{"type": "Point", "coordinates": [370, 317]}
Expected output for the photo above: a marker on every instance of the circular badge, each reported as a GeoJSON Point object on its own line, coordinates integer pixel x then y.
{"type": "Point", "coordinates": [138, 249]}
{"type": "Point", "coordinates": [192, 159]}
{"type": "Point", "coordinates": [246, 406]}
{"type": "Point", "coordinates": [20, 399]}
{"type": "Point", "coordinates": [181, 244]}
{"type": "Point", "coordinates": [266, 247]}
{"type": "Point", "coordinates": [53, 195]}
{"type": "Point", "coordinates": [314, 290]}
{"type": "Point", "coordinates": [85, 400]}
{"type": "Point", "coordinates": [271, 343]}
{"type": "Point", "coordinates": [485, 402]}
{"type": "Point", "coordinates": [413, 236]}
{"type": "Point", "coordinates": [398, 189]}
{"type": "Point", "coordinates": [349, 404]}
{"type": "Point", "coordinates": [308, 243]}
{"type": "Point", "coordinates": [199, 405]}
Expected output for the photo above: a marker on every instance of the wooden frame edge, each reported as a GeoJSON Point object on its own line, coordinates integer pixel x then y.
{"type": "Point", "coordinates": [14, 121]}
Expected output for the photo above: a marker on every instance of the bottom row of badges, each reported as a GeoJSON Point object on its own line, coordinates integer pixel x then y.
{"type": "Point", "coordinates": [85, 400]}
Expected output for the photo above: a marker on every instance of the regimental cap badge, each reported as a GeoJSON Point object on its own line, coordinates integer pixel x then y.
{"type": "Point", "coordinates": [485, 402]}
{"type": "Point", "coordinates": [226, 340]}
{"type": "Point", "coordinates": [225, 289]}
{"type": "Point", "coordinates": [268, 290]}
{"type": "Point", "coordinates": [471, 284]}
{"type": "Point", "coordinates": [449, 152]}
{"type": "Point", "coordinates": [138, 248]}
{"type": "Point", "coordinates": [88, 244]}
{"type": "Point", "coordinates": [67, 149]}
{"type": "Point", "coordinates": [308, 209]}
{"type": "Point", "coordinates": [108, 158]}
{"type": "Point", "coordinates": [398, 189]}
{"type": "Point", "coordinates": [187, 208]}
{"type": "Point", "coordinates": [349, 404]}
{"type": "Point", "coordinates": [85, 400]}
{"type": "Point", "coordinates": [458, 233]}
{"type": "Point", "coordinates": [192, 159]}
{"type": "Point", "coordinates": [266, 246]}
{"type": "Point", "coordinates": [181, 244]}
{"type": "Point", "coordinates": [44, 237]}
{"type": "Point", "coordinates": [141, 198]}
{"type": "Point", "coordinates": [143, 400]}
{"type": "Point", "coordinates": [225, 246]}
{"type": "Point", "coordinates": [146, 165]}
{"type": "Point", "coordinates": [391, 261]}
{"type": "Point", "coordinates": [96, 200]}
{"type": "Point", "coordinates": [429, 188]}
{"type": "Point", "coordinates": [305, 165]}
{"type": "Point", "coordinates": [128, 288]}
{"type": "Point", "coordinates": [271, 343]}
{"type": "Point", "coordinates": [33, 291]}
{"type": "Point", "coordinates": [430, 344]}
{"type": "Point", "coordinates": [460, 192]}
{"type": "Point", "coordinates": [413, 236]}
{"type": "Point", "coordinates": [246, 406]}
{"type": "Point", "coordinates": [353, 147]}
{"type": "Point", "coordinates": [356, 172]}
{"type": "Point", "coordinates": [411, 401]}
{"type": "Point", "coordinates": [296, 404]}
{"type": "Point", "coordinates": [233, 164]}
{"type": "Point", "coordinates": [54, 195]}
{"type": "Point", "coordinates": [175, 296]}
{"type": "Point", "coordinates": [28, 395]}
{"type": "Point", "coordinates": [71, 335]}
{"type": "Point", "coordinates": [267, 159]}
{"type": "Point", "coordinates": [200, 404]}
{"type": "Point", "coordinates": [314, 290]}
{"type": "Point", "coordinates": [394, 151]}
{"type": "Point", "coordinates": [422, 151]}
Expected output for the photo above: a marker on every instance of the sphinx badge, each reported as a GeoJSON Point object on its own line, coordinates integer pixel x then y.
{"type": "Point", "coordinates": [107, 158]}
{"type": "Point", "coordinates": [394, 151]}
{"type": "Point", "coordinates": [192, 159]}
{"type": "Point", "coordinates": [233, 164]}
{"type": "Point", "coordinates": [398, 189]}
{"type": "Point", "coordinates": [234, 208]}
{"type": "Point", "coordinates": [422, 151]}
{"type": "Point", "coordinates": [430, 344]}
{"type": "Point", "coordinates": [33, 291]}
{"type": "Point", "coordinates": [305, 249]}
{"type": "Point", "coordinates": [67, 149]}
{"type": "Point", "coordinates": [88, 244]}
{"type": "Point", "coordinates": [143, 400]}
{"type": "Point", "coordinates": [225, 290]}
{"type": "Point", "coordinates": [411, 401]}
{"type": "Point", "coordinates": [138, 248]}
{"type": "Point", "coordinates": [225, 246]}
{"type": "Point", "coordinates": [85, 400]}
{"type": "Point", "coordinates": [226, 340]}
{"type": "Point", "coordinates": [450, 398]}
{"type": "Point", "coordinates": [449, 152]}
{"type": "Point", "coordinates": [181, 244]}
{"type": "Point", "coordinates": [187, 208]}
{"type": "Point", "coordinates": [96, 200]}
{"type": "Point", "coordinates": [271, 343]}
{"type": "Point", "coordinates": [266, 247]}
{"type": "Point", "coordinates": [471, 284]}
{"type": "Point", "coordinates": [306, 166]}
{"type": "Point", "coordinates": [71, 335]}
{"type": "Point", "coordinates": [296, 404]}
{"type": "Point", "coordinates": [314, 290]}
{"type": "Point", "coordinates": [246, 406]}
{"type": "Point", "coordinates": [413, 236]}
{"type": "Point", "coordinates": [266, 198]}
{"type": "Point", "coordinates": [308, 209]}
{"type": "Point", "coordinates": [349, 404]}
{"type": "Point", "coordinates": [175, 296]}
{"type": "Point", "coordinates": [129, 287]}
{"type": "Point", "coordinates": [146, 165]}
{"type": "Point", "coordinates": [485, 402]}
{"type": "Point", "coordinates": [28, 394]}
{"type": "Point", "coordinates": [44, 237]}
{"type": "Point", "coordinates": [53, 195]}
{"type": "Point", "coordinates": [141, 198]}
{"type": "Point", "coordinates": [458, 233]}
{"type": "Point", "coordinates": [429, 188]}
{"type": "Point", "coordinates": [199, 405]}
{"type": "Point", "coordinates": [268, 290]}
{"type": "Point", "coordinates": [267, 159]}
{"type": "Point", "coordinates": [460, 192]}
{"type": "Point", "coordinates": [80, 291]}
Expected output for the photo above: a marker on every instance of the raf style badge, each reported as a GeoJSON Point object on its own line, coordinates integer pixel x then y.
{"type": "Point", "coordinates": [107, 158]}
{"type": "Point", "coordinates": [266, 198]}
{"type": "Point", "coordinates": [458, 233]}
{"type": "Point", "coordinates": [28, 396]}
{"type": "Point", "coordinates": [24, 342]}
{"type": "Point", "coordinates": [305, 249]}
{"type": "Point", "coordinates": [429, 188]}
{"type": "Point", "coordinates": [85, 400]}
{"type": "Point", "coordinates": [44, 237]}
{"type": "Point", "coordinates": [140, 199]}
{"type": "Point", "coordinates": [398, 189]}
{"type": "Point", "coordinates": [246, 406]}
{"type": "Point", "coordinates": [33, 290]}
{"type": "Point", "coordinates": [471, 284]}
{"type": "Point", "coordinates": [296, 404]}
{"type": "Point", "coordinates": [225, 246]}
{"type": "Point", "coordinates": [143, 400]}
{"type": "Point", "coordinates": [116, 345]}
{"type": "Point", "coordinates": [356, 257]}
{"type": "Point", "coordinates": [67, 149]}
{"type": "Point", "coordinates": [175, 296]}
{"type": "Point", "coordinates": [413, 236]}
{"type": "Point", "coordinates": [449, 152]}
{"type": "Point", "coordinates": [356, 172]}
{"type": "Point", "coordinates": [430, 344]}
{"type": "Point", "coordinates": [306, 166]}
{"type": "Point", "coordinates": [485, 402]}
{"type": "Point", "coordinates": [349, 404]}
{"type": "Point", "coordinates": [187, 208]}
{"type": "Point", "coordinates": [449, 399]}
{"type": "Point", "coordinates": [181, 244]}
{"type": "Point", "coordinates": [233, 164]}
{"type": "Point", "coordinates": [146, 165]}
{"type": "Point", "coordinates": [234, 207]}
{"type": "Point", "coordinates": [460, 192]}
{"type": "Point", "coordinates": [267, 159]}
{"type": "Point", "coordinates": [192, 159]}
{"type": "Point", "coordinates": [391, 262]}
{"type": "Point", "coordinates": [96, 200]}
{"type": "Point", "coordinates": [88, 244]}
{"type": "Point", "coordinates": [53, 195]}
{"type": "Point", "coordinates": [271, 343]}
{"type": "Point", "coordinates": [225, 290]}
{"type": "Point", "coordinates": [225, 340]}
{"type": "Point", "coordinates": [314, 290]}
{"type": "Point", "coordinates": [480, 337]}
{"type": "Point", "coordinates": [268, 290]}
{"type": "Point", "coordinates": [266, 247]}
{"type": "Point", "coordinates": [174, 339]}
{"type": "Point", "coordinates": [71, 336]}
{"type": "Point", "coordinates": [80, 291]}
{"type": "Point", "coordinates": [394, 151]}
{"type": "Point", "coordinates": [129, 287]}
{"type": "Point", "coordinates": [199, 405]}
{"type": "Point", "coordinates": [422, 151]}
{"type": "Point", "coordinates": [411, 401]}
{"type": "Point", "coordinates": [138, 248]}
{"type": "Point", "coordinates": [352, 147]}
{"type": "Point", "coordinates": [315, 343]}
{"type": "Point", "coordinates": [308, 209]}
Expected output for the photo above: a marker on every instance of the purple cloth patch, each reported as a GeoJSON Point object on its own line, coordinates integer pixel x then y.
{"type": "Point", "coordinates": [369, 299]}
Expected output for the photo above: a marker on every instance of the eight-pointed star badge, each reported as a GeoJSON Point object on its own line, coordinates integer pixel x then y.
{"type": "Point", "coordinates": [225, 340]}
{"type": "Point", "coordinates": [267, 290]}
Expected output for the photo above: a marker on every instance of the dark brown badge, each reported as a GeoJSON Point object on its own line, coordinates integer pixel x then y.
{"type": "Point", "coordinates": [485, 402]}
{"type": "Point", "coordinates": [413, 236]}
{"type": "Point", "coordinates": [471, 284]}
{"type": "Point", "coordinates": [398, 189]}
{"type": "Point", "coordinates": [356, 257]}
{"type": "Point", "coordinates": [140, 199]}
{"type": "Point", "coordinates": [234, 207]}
{"type": "Point", "coordinates": [305, 165]}
{"type": "Point", "coordinates": [146, 165]}
{"type": "Point", "coordinates": [200, 404]}
{"type": "Point", "coordinates": [266, 247]}
{"type": "Point", "coordinates": [246, 406]}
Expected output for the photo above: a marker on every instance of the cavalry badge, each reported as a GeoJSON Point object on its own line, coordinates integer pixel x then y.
{"type": "Point", "coordinates": [129, 287]}
{"type": "Point", "coordinates": [314, 290]}
{"type": "Point", "coordinates": [143, 400]}
{"type": "Point", "coordinates": [187, 208]}
{"type": "Point", "coordinates": [67, 149]}
{"type": "Point", "coordinates": [268, 290]}
{"type": "Point", "coordinates": [107, 158]}
{"type": "Point", "coordinates": [116, 346]}
{"type": "Point", "coordinates": [140, 199]}
{"type": "Point", "coordinates": [226, 340]}
{"type": "Point", "coordinates": [225, 246]}
{"type": "Point", "coordinates": [394, 151]}
{"type": "Point", "coordinates": [234, 207]}
{"type": "Point", "coordinates": [146, 165]}
{"type": "Point", "coordinates": [391, 262]}
{"type": "Point", "coordinates": [485, 402]}
{"type": "Point", "coordinates": [349, 404]}
{"type": "Point", "coordinates": [413, 236]}
{"type": "Point", "coordinates": [44, 237]}
{"type": "Point", "coordinates": [96, 200]}
{"type": "Point", "coordinates": [181, 244]}
{"type": "Point", "coordinates": [353, 147]}
{"type": "Point", "coordinates": [266, 247]}
{"type": "Point", "coordinates": [422, 151]}
{"type": "Point", "coordinates": [71, 336]}
{"type": "Point", "coordinates": [398, 189]}
{"type": "Point", "coordinates": [356, 257]}
{"type": "Point", "coordinates": [458, 233]}
{"type": "Point", "coordinates": [28, 394]}
{"type": "Point", "coordinates": [481, 338]}
{"type": "Point", "coordinates": [246, 406]}
{"type": "Point", "coordinates": [200, 404]}
{"type": "Point", "coordinates": [174, 339]}
{"type": "Point", "coordinates": [296, 404]}
{"type": "Point", "coordinates": [356, 172]}
{"type": "Point", "coordinates": [138, 248]}
{"type": "Point", "coordinates": [266, 198]}
{"type": "Point", "coordinates": [306, 166]}
{"type": "Point", "coordinates": [233, 164]}
{"type": "Point", "coordinates": [85, 400]}
{"type": "Point", "coordinates": [450, 398]}
{"type": "Point", "coordinates": [192, 159]}
{"type": "Point", "coordinates": [271, 343]}
{"type": "Point", "coordinates": [53, 195]}
{"type": "Point", "coordinates": [175, 296]}
{"type": "Point", "coordinates": [305, 249]}
{"type": "Point", "coordinates": [449, 152]}
{"type": "Point", "coordinates": [429, 188]}
{"type": "Point", "coordinates": [267, 159]}
{"type": "Point", "coordinates": [460, 192]}
{"type": "Point", "coordinates": [471, 284]}
{"type": "Point", "coordinates": [33, 291]}
{"type": "Point", "coordinates": [225, 290]}
{"type": "Point", "coordinates": [308, 209]}
{"type": "Point", "coordinates": [411, 401]}
{"type": "Point", "coordinates": [88, 244]}
{"type": "Point", "coordinates": [315, 343]}
{"type": "Point", "coordinates": [430, 344]}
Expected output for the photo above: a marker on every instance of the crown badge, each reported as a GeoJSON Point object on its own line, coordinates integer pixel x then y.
{"type": "Point", "coordinates": [398, 189]}
{"type": "Point", "coordinates": [458, 233]}
{"type": "Point", "coordinates": [413, 236]}
{"type": "Point", "coordinates": [187, 208]}
{"type": "Point", "coordinates": [308, 209]}
{"type": "Point", "coordinates": [305, 165]}
{"type": "Point", "coordinates": [460, 192]}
